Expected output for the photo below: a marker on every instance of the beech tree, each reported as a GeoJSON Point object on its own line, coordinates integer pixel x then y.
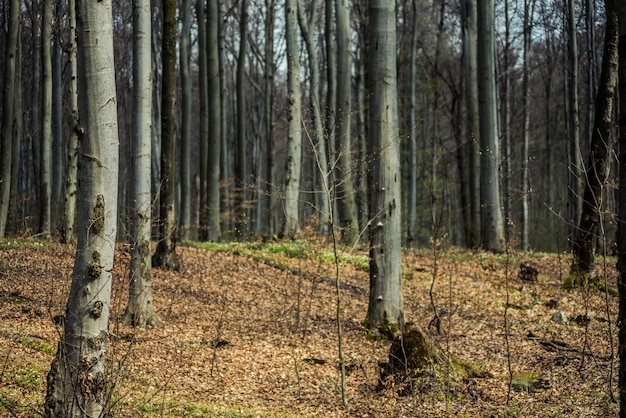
{"type": "Point", "coordinates": [140, 310]}
{"type": "Point", "coordinates": [386, 307]}
{"type": "Point", "coordinates": [492, 222]}
{"type": "Point", "coordinates": [45, 163]}
{"type": "Point", "coordinates": [76, 381]}
{"type": "Point", "coordinates": [621, 224]}
{"type": "Point", "coordinates": [165, 255]}
{"type": "Point", "coordinates": [291, 182]}
{"type": "Point", "coordinates": [215, 122]}
{"type": "Point", "coordinates": [6, 134]}
{"type": "Point", "coordinates": [596, 173]}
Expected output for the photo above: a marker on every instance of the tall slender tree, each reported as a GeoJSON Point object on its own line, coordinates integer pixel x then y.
{"type": "Point", "coordinates": [6, 134]}
{"type": "Point", "coordinates": [185, 125]}
{"type": "Point", "coordinates": [621, 224]}
{"type": "Point", "coordinates": [598, 165]}
{"type": "Point", "coordinates": [492, 222]}
{"type": "Point", "coordinates": [470, 52]}
{"type": "Point", "coordinates": [386, 306]}
{"type": "Point", "coordinates": [575, 172]}
{"type": "Point", "coordinates": [215, 122]}
{"type": "Point", "coordinates": [77, 380]}
{"type": "Point", "coordinates": [140, 310]}
{"type": "Point", "coordinates": [45, 162]}
{"type": "Point", "coordinates": [346, 206]}
{"type": "Point", "coordinates": [241, 160]}
{"type": "Point", "coordinates": [316, 134]}
{"type": "Point", "coordinates": [293, 167]}
{"type": "Point", "coordinates": [71, 168]}
{"type": "Point", "coordinates": [165, 255]}
{"type": "Point", "coordinates": [412, 194]}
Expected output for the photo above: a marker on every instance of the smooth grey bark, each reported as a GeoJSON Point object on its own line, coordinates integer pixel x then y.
{"type": "Point", "coordinates": [331, 90]}
{"type": "Point", "coordinates": [412, 186]}
{"type": "Point", "coordinates": [140, 310]}
{"type": "Point", "coordinates": [293, 165]}
{"type": "Point", "coordinates": [165, 256]}
{"type": "Point", "coordinates": [598, 165]}
{"type": "Point", "coordinates": [343, 176]}
{"type": "Point", "coordinates": [386, 306]}
{"type": "Point", "coordinates": [16, 213]}
{"type": "Point", "coordinates": [270, 177]}
{"type": "Point", "coordinates": [241, 216]}
{"type": "Point", "coordinates": [204, 117]}
{"type": "Point", "coordinates": [77, 381]}
{"type": "Point", "coordinates": [575, 172]}
{"type": "Point", "coordinates": [6, 141]}
{"type": "Point", "coordinates": [316, 135]}
{"type": "Point", "coordinates": [529, 8]}
{"type": "Point", "coordinates": [71, 168]}
{"type": "Point", "coordinates": [215, 123]}
{"type": "Point", "coordinates": [492, 223]}
{"type": "Point", "coordinates": [505, 130]}
{"type": "Point", "coordinates": [185, 124]}
{"type": "Point", "coordinates": [35, 101]}
{"type": "Point", "coordinates": [45, 164]}
{"type": "Point", "coordinates": [470, 39]}
{"type": "Point", "coordinates": [57, 128]}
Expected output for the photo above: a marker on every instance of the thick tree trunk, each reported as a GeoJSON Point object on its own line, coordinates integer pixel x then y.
{"type": "Point", "coordinates": [346, 207]}
{"type": "Point", "coordinates": [215, 123]}
{"type": "Point", "coordinates": [77, 381]}
{"type": "Point", "coordinates": [492, 223]}
{"type": "Point", "coordinates": [185, 125]}
{"type": "Point", "coordinates": [140, 310]}
{"type": "Point", "coordinates": [71, 168]}
{"type": "Point", "coordinates": [6, 141]}
{"type": "Point", "coordinates": [165, 255]}
{"type": "Point", "coordinates": [598, 167]}
{"type": "Point", "coordinates": [386, 307]}
{"type": "Point", "coordinates": [471, 93]}
{"type": "Point", "coordinates": [316, 136]}
{"type": "Point", "coordinates": [293, 167]}
{"type": "Point", "coordinates": [45, 170]}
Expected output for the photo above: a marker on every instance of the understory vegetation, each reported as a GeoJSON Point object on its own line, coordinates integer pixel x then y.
{"type": "Point", "coordinates": [248, 329]}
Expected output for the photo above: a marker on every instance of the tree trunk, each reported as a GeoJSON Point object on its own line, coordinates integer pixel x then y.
{"type": "Point", "coordinates": [529, 8]}
{"type": "Point", "coordinates": [185, 128]}
{"type": "Point", "coordinates": [412, 198]}
{"type": "Point", "coordinates": [241, 224]}
{"type": "Point", "coordinates": [165, 255]}
{"type": "Point", "coordinates": [385, 310]}
{"type": "Point", "coordinates": [575, 173]}
{"type": "Point", "coordinates": [57, 126]}
{"type": "Point", "coordinates": [204, 118]}
{"type": "Point", "coordinates": [71, 180]}
{"type": "Point", "coordinates": [77, 381]}
{"type": "Point", "coordinates": [293, 167]}
{"type": "Point", "coordinates": [346, 207]}
{"type": "Point", "coordinates": [621, 223]}
{"type": "Point", "coordinates": [140, 310]}
{"type": "Point", "coordinates": [331, 93]}
{"type": "Point", "coordinates": [215, 122]}
{"type": "Point", "coordinates": [316, 136]}
{"type": "Point", "coordinates": [492, 223]}
{"type": "Point", "coordinates": [45, 173]}
{"type": "Point", "coordinates": [270, 207]}
{"type": "Point", "coordinates": [471, 92]}
{"type": "Point", "coordinates": [6, 143]}
{"type": "Point", "coordinates": [597, 171]}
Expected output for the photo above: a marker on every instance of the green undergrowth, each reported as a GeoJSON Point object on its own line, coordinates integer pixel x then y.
{"type": "Point", "coordinates": [269, 252]}
{"type": "Point", "coordinates": [26, 244]}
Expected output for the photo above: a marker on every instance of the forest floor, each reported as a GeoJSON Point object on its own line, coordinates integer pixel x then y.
{"type": "Point", "coordinates": [250, 330]}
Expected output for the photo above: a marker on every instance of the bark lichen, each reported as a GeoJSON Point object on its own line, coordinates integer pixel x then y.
{"type": "Point", "coordinates": [98, 214]}
{"type": "Point", "coordinates": [95, 268]}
